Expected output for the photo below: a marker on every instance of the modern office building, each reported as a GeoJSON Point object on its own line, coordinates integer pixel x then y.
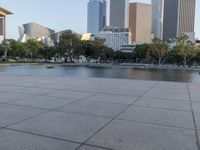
{"type": "Point", "coordinates": [157, 18]}
{"type": "Point", "coordinates": [115, 29]}
{"type": "Point", "coordinates": [140, 22]}
{"type": "Point", "coordinates": [119, 13]}
{"type": "Point", "coordinates": [96, 19]}
{"type": "Point", "coordinates": [179, 18]}
{"type": "Point", "coordinates": [114, 40]}
{"type": "Point", "coordinates": [171, 18]}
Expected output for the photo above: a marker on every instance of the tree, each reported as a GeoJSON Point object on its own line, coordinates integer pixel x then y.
{"type": "Point", "coordinates": [123, 56]}
{"type": "Point", "coordinates": [140, 52]}
{"type": "Point", "coordinates": [158, 51]}
{"type": "Point", "coordinates": [21, 50]}
{"type": "Point", "coordinates": [17, 49]}
{"type": "Point", "coordinates": [34, 47]}
{"type": "Point", "coordinates": [69, 43]}
{"type": "Point", "coordinates": [48, 52]}
{"type": "Point", "coordinates": [185, 48]}
{"type": "Point", "coordinates": [197, 57]}
{"type": "Point", "coordinates": [6, 47]}
{"type": "Point", "coordinates": [107, 54]}
{"type": "Point", "coordinates": [88, 48]}
{"type": "Point", "coordinates": [173, 57]}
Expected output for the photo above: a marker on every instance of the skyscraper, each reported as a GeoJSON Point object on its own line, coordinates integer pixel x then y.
{"type": "Point", "coordinates": [179, 17]}
{"type": "Point", "coordinates": [119, 10]}
{"type": "Point", "coordinates": [96, 15]}
{"type": "Point", "coordinates": [157, 18]}
{"type": "Point", "coordinates": [171, 18]}
{"type": "Point", "coordinates": [140, 22]}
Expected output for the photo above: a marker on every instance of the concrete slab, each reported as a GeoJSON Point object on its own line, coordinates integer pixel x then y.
{"type": "Point", "coordinates": [128, 92]}
{"type": "Point", "coordinates": [196, 106]}
{"type": "Point", "coordinates": [98, 119]}
{"type": "Point", "coordinates": [63, 125]}
{"type": "Point", "coordinates": [13, 140]}
{"type": "Point", "coordinates": [124, 135]}
{"type": "Point", "coordinates": [10, 114]}
{"type": "Point", "coordinates": [34, 91]}
{"type": "Point", "coordinates": [90, 148]}
{"type": "Point", "coordinates": [96, 108]}
{"type": "Point", "coordinates": [8, 88]}
{"type": "Point", "coordinates": [121, 99]}
{"type": "Point", "coordinates": [159, 116]}
{"type": "Point", "coordinates": [137, 85]}
{"type": "Point", "coordinates": [168, 94]}
{"type": "Point", "coordinates": [164, 104]}
{"type": "Point", "coordinates": [94, 87]}
{"type": "Point", "coordinates": [10, 97]}
{"type": "Point", "coordinates": [70, 94]}
{"type": "Point", "coordinates": [197, 120]}
{"type": "Point", "coordinates": [45, 102]}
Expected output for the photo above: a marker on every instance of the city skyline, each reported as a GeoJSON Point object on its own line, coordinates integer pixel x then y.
{"type": "Point", "coordinates": [66, 17]}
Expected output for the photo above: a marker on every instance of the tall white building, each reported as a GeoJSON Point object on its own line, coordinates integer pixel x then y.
{"type": "Point", "coordinates": [96, 19]}
{"type": "Point", "coordinates": [119, 13]}
{"type": "Point", "coordinates": [114, 40]}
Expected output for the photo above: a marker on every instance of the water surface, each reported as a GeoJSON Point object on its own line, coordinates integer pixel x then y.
{"type": "Point", "coordinates": [180, 75]}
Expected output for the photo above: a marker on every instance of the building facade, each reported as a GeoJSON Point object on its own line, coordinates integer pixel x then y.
{"type": "Point", "coordinates": [186, 17]}
{"type": "Point", "coordinates": [157, 18]}
{"type": "Point", "coordinates": [119, 10]}
{"type": "Point", "coordinates": [41, 33]}
{"type": "Point", "coordinates": [140, 22]}
{"type": "Point", "coordinates": [3, 14]}
{"type": "Point", "coordinates": [114, 40]}
{"type": "Point", "coordinates": [175, 18]}
{"type": "Point", "coordinates": [36, 31]}
{"type": "Point", "coordinates": [96, 19]}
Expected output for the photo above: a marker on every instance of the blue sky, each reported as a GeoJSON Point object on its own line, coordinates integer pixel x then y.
{"type": "Point", "coordinates": [57, 14]}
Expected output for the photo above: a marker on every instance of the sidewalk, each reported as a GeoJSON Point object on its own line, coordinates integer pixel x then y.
{"type": "Point", "coordinates": [48, 113]}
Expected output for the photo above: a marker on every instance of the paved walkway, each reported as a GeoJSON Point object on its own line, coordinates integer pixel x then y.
{"type": "Point", "coordinates": [43, 113]}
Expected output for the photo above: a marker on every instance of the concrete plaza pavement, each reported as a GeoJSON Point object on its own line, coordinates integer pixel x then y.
{"type": "Point", "coordinates": [66, 113]}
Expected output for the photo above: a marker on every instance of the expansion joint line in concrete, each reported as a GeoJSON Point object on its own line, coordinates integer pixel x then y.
{"type": "Point", "coordinates": [84, 143]}
{"type": "Point", "coordinates": [193, 116]}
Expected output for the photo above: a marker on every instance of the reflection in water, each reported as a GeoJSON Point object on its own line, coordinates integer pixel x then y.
{"type": "Point", "coordinates": [184, 75]}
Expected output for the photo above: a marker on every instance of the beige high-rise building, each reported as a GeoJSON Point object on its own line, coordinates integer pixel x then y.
{"type": "Point", "coordinates": [140, 22]}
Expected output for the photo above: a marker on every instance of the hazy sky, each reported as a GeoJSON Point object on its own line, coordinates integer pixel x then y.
{"type": "Point", "coordinates": [57, 14]}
